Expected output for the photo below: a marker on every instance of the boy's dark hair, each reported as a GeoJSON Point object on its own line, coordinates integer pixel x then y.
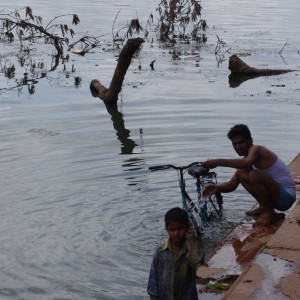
{"type": "Point", "coordinates": [176, 214]}
{"type": "Point", "coordinates": [239, 129]}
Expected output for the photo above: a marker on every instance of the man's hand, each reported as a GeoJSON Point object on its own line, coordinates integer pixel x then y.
{"type": "Point", "coordinates": [210, 163]}
{"type": "Point", "coordinates": [210, 190]}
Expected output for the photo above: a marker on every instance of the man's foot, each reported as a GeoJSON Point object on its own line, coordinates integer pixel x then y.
{"type": "Point", "coordinates": [266, 219]}
{"type": "Point", "coordinates": [255, 212]}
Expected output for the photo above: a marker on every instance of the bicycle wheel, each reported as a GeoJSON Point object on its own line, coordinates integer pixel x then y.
{"type": "Point", "coordinates": [193, 212]}
{"type": "Point", "coordinates": [214, 207]}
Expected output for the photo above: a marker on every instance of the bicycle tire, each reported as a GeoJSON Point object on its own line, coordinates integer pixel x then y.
{"type": "Point", "coordinates": [193, 212]}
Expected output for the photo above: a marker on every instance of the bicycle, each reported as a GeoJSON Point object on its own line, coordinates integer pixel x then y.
{"type": "Point", "coordinates": [205, 209]}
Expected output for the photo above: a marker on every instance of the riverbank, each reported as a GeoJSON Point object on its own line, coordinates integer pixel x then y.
{"type": "Point", "coordinates": [266, 261]}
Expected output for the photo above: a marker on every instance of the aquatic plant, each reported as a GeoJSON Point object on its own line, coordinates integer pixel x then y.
{"type": "Point", "coordinates": [177, 16]}
{"type": "Point", "coordinates": [24, 29]}
{"type": "Point", "coordinates": [28, 28]}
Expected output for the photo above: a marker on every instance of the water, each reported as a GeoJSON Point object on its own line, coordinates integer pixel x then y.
{"type": "Point", "coordinates": [80, 213]}
{"type": "Point", "coordinates": [275, 270]}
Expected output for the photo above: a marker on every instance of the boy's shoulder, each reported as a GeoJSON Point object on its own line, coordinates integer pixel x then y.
{"type": "Point", "coordinates": [165, 245]}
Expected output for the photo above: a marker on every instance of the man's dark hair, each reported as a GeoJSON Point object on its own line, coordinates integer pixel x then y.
{"type": "Point", "coordinates": [176, 214]}
{"type": "Point", "coordinates": [239, 129]}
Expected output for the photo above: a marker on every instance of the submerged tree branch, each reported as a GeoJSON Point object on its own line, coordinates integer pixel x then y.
{"type": "Point", "coordinates": [110, 95]}
{"type": "Point", "coordinates": [237, 66]}
{"type": "Point", "coordinates": [241, 72]}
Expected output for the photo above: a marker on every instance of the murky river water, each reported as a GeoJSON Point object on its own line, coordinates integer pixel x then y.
{"type": "Point", "coordinates": [80, 212]}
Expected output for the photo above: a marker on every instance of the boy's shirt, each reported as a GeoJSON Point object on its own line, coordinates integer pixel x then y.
{"type": "Point", "coordinates": [173, 277]}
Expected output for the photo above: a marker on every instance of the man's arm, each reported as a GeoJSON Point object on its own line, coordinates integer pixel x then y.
{"type": "Point", "coordinates": [230, 185]}
{"type": "Point", "coordinates": [236, 163]}
{"type": "Point", "coordinates": [225, 187]}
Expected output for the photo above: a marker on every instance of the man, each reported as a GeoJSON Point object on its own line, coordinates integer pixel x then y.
{"type": "Point", "coordinates": [261, 172]}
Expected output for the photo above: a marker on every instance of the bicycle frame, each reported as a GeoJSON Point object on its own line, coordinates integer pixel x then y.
{"type": "Point", "coordinates": [184, 195]}
{"type": "Point", "coordinates": [203, 177]}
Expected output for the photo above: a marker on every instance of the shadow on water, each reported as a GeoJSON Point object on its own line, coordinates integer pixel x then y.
{"type": "Point", "coordinates": [123, 134]}
{"type": "Point", "coordinates": [235, 80]}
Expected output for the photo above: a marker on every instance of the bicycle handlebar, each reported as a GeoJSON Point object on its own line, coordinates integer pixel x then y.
{"type": "Point", "coordinates": [169, 166]}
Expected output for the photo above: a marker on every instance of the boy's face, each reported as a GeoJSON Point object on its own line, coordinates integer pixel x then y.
{"type": "Point", "coordinates": [177, 232]}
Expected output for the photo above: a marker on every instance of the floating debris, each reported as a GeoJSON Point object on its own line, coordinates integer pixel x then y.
{"type": "Point", "coordinates": [217, 285]}
{"type": "Point", "coordinates": [43, 132]}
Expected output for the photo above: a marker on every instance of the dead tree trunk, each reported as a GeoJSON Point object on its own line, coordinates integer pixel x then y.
{"type": "Point", "coordinates": [241, 72]}
{"type": "Point", "coordinates": [237, 66]}
{"type": "Point", "coordinates": [110, 95]}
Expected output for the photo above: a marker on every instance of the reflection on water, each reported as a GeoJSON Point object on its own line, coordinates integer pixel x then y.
{"type": "Point", "coordinates": [123, 134]}
{"type": "Point", "coordinates": [79, 220]}
{"type": "Point", "coordinates": [26, 70]}
{"type": "Point", "coordinates": [235, 80]}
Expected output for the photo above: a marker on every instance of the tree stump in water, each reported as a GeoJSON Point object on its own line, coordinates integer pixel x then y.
{"type": "Point", "coordinates": [237, 66]}
{"type": "Point", "coordinates": [241, 72]}
{"type": "Point", "coordinates": [110, 95]}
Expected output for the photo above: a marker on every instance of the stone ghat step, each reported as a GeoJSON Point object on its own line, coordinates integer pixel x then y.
{"type": "Point", "coordinates": [263, 262]}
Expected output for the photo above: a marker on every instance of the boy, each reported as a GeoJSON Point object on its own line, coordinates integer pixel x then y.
{"type": "Point", "coordinates": [173, 270]}
{"type": "Point", "coordinates": [260, 171]}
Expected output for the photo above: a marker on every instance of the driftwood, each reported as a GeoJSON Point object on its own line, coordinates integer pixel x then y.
{"type": "Point", "coordinates": [110, 95]}
{"type": "Point", "coordinates": [236, 65]}
{"type": "Point", "coordinates": [241, 72]}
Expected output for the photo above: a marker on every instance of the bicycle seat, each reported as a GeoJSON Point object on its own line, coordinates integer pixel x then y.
{"type": "Point", "coordinates": [197, 171]}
